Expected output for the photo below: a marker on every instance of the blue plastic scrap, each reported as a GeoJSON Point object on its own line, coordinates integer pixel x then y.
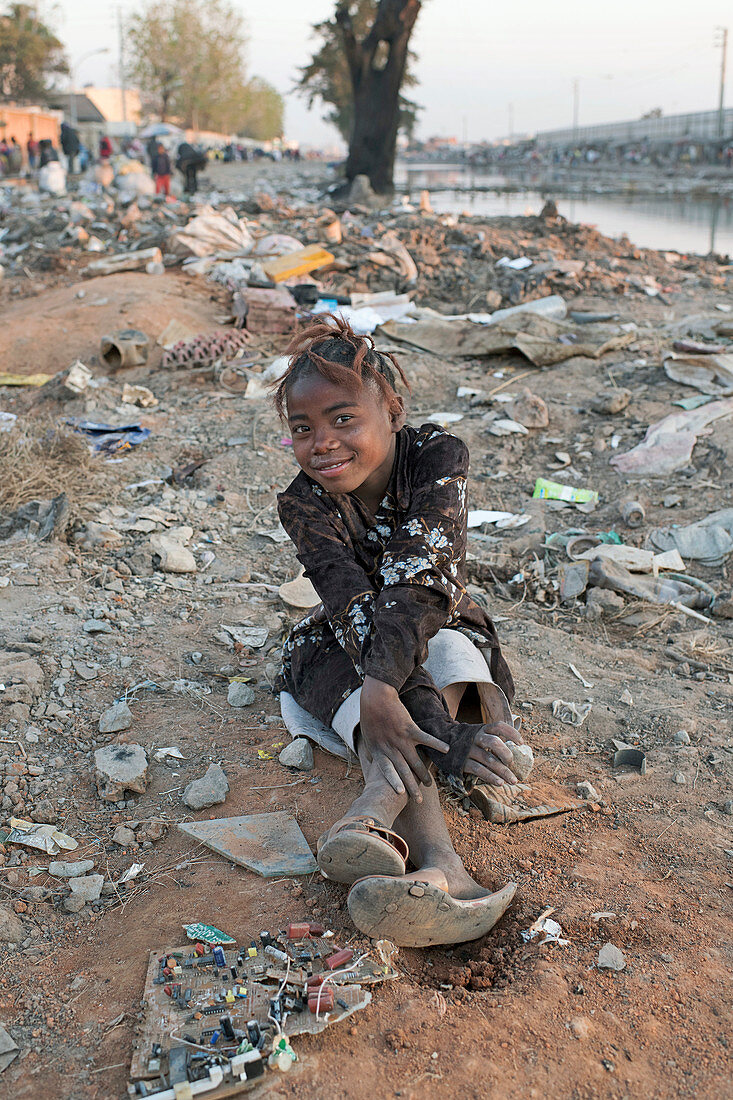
{"type": "Point", "coordinates": [108, 439]}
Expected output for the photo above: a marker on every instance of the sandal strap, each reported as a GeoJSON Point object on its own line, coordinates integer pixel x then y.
{"type": "Point", "coordinates": [388, 835]}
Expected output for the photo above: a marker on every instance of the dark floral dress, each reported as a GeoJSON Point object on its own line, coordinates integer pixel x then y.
{"type": "Point", "coordinates": [388, 582]}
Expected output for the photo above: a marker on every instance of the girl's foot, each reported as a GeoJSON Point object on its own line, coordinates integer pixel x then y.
{"type": "Point", "coordinates": [359, 846]}
{"type": "Point", "coordinates": [417, 910]}
{"type": "Point", "coordinates": [362, 841]}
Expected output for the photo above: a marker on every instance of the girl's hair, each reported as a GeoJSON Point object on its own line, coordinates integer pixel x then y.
{"type": "Point", "coordinates": [331, 348]}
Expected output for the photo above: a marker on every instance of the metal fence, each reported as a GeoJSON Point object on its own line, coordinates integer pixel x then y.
{"type": "Point", "coordinates": [695, 126]}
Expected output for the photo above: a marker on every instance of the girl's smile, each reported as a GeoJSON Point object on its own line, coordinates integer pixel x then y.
{"type": "Point", "coordinates": [344, 438]}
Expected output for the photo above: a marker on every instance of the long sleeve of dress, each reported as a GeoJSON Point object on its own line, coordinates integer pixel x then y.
{"type": "Point", "coordinates": [419, 569]}
{"type": "Point", "coordinates": [324, 549]}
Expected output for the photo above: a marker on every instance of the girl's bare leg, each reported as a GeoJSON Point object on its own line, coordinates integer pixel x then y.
{"type": "Point", "coordinates": [378, 800]}
{"type": "Point", "coordinates": [431, 850]}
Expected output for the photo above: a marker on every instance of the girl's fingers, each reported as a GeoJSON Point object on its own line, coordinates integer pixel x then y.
{"type": "Point", "coordinates": [389, 772]}
{"type": "Point", "coordinates": [417, 764]}
{"type": "Point", "coordinates": [505, 732]}
{"type": "Point", "coordinates": [490, 763]}
{"type": "Point", "coordinates": [490, 743]}
{"type": "Point", "coordinates": [403, 768]}
{"type": "Point", "coordinates": [428, 740]}
{"type": "Point", "coordinates": [471, 767]}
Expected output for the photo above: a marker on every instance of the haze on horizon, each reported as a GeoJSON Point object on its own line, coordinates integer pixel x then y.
{"type": "Point", "coordinates": [481, 67]}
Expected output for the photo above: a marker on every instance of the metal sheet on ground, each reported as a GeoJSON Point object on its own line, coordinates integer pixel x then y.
{"type": "Point", "coordinates": [269, 844]}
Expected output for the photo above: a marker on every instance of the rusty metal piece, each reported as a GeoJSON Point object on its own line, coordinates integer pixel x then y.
{"type": "Point", "coordinates": [635, 758]}
{"type": "Point", "coordinates": [204, 350]}
{"type": "Point", "coordinates": [125, 348]}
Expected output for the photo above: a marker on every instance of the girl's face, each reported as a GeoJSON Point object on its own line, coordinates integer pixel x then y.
{"type": "Point", "coordinates": [344, 438]}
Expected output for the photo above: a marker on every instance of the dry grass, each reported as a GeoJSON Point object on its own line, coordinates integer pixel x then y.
{"type": "Point", "coordinates": [713, 651]}
{"type": "Point", "coordinates": [44, 460]}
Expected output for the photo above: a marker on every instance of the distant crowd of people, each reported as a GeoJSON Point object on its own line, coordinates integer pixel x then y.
{"type": "Point", "coordinates": [190, 159]}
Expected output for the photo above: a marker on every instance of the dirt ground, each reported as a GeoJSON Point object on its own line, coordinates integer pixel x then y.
{"type": "Point", "coordinates": [649, 868]}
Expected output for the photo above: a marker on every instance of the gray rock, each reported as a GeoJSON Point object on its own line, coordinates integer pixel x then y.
{"type": "Point", "coordinates": [604, 602]}
{"type": "Point", "coordinates": [209, 790]}
{"type": "Point", "coordinates": [361, 192]}
{"type": "Point", "coordinates": [35, 893]}
{"type": "Point", "coordinates": [97, 626]}
{"type": "Point", "coordinates": [240, 695]}
{"type": "Point", "coordinates": [115, 718]}
{"type": "Point", "coordinates": [679, 778]}
{"type": "Point", "coordinates": [120, 768]}
{"type": "Point", "coordinates": [44, 811]}
{"type": "Point", "coordinates": [62, 868]}
{"type": "Point", "coordinates": [610, 958]}
{"type": "Point", "coordinates": [85, 671]}
{"type": "Point", "coordinates": [298, 754]}
{"type": "Point", "coordinates": [682, 737]}
{"type": "Point", "coordinates": [727, 807]}
{"type": "Point", "coordinates": [173, 555]}
{"type": "Point", "coordinates": [123, 836]}
{"type": "Point", "coordinates": [586, 790]}
{"type": "Point", "coordinates": [573, 577]}
{"type": "Point", "coordinates": [85, 889]}
{"type": "Point", "coordinates": [11, 926]}
{"type": "Point", "coordinates": [523, 760]}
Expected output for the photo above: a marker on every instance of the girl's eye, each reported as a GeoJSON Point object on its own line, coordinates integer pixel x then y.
{"type": "Point", "coordinates": [299, 429]}
{"type": "Point", "coordinates": [343, 418]}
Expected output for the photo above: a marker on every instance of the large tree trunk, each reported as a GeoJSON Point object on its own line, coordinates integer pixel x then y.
{"type": "Point", "coordinates": [376, 73]}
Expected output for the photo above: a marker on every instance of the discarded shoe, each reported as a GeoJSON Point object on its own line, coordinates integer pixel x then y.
{"type": "Point", "coordinates": [518, 802]}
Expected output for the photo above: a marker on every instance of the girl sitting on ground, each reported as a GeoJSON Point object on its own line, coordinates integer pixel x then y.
{"type": "Point", "coordinates": [378, 518]}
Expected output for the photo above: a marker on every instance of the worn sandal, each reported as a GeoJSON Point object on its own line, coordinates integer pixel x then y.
{"type": "Point", "coordinates": [412, 913]}
{"type": "Point", "coordinates": [360, 847]}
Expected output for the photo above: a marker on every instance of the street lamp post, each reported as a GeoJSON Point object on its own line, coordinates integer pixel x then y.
{"type": "Point", "coordinates": [72, 82]}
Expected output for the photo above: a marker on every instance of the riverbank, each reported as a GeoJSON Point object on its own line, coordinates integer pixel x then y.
{"type": "Point", "coordinates": [600, 178]}
{"type": "Point", "coordinates": [686, 217]}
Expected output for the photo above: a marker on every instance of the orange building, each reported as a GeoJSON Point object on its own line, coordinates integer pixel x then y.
{"type": "Point", "coordinates": [19, 122]}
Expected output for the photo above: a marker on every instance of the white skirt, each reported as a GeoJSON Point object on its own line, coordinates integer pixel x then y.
{"type": "Point", "coordinates": [452, 659]}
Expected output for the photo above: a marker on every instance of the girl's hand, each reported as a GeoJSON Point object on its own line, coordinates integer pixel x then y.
{"type": "Point", "coordinates": [489, 756]}
{"type": "Point", "coordinates": [392, 738]}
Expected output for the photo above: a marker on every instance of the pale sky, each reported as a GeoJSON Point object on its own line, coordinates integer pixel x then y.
{"type": "Point", "coordinates": [479, 62]}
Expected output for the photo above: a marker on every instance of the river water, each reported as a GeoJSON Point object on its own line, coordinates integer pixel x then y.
{"type": "Point", "coordinates": [679, 224]}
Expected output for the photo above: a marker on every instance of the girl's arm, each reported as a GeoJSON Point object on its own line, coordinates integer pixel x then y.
{"type": "Point", "coordinates": [323, 547]}
{"type": "Point", "coordinates": [420, 564]}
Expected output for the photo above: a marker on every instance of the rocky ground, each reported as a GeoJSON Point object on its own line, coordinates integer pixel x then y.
{"type": "Point", "coordinates": [91, 617]}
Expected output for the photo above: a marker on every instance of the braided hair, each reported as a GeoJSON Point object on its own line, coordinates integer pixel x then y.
{"type": "Point", "coordinates": [331, 348]}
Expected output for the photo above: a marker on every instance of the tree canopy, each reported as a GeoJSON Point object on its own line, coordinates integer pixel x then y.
{"type": "Point", "coordinates": [30, 55]}
{"type": "Point", "coordinates": [327, 78]}
{"type": "Point", "coordinates": [188, 58]}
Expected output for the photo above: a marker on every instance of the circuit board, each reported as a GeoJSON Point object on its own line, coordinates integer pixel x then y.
{"type": "Point", "coordinates": [210, 1008]}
